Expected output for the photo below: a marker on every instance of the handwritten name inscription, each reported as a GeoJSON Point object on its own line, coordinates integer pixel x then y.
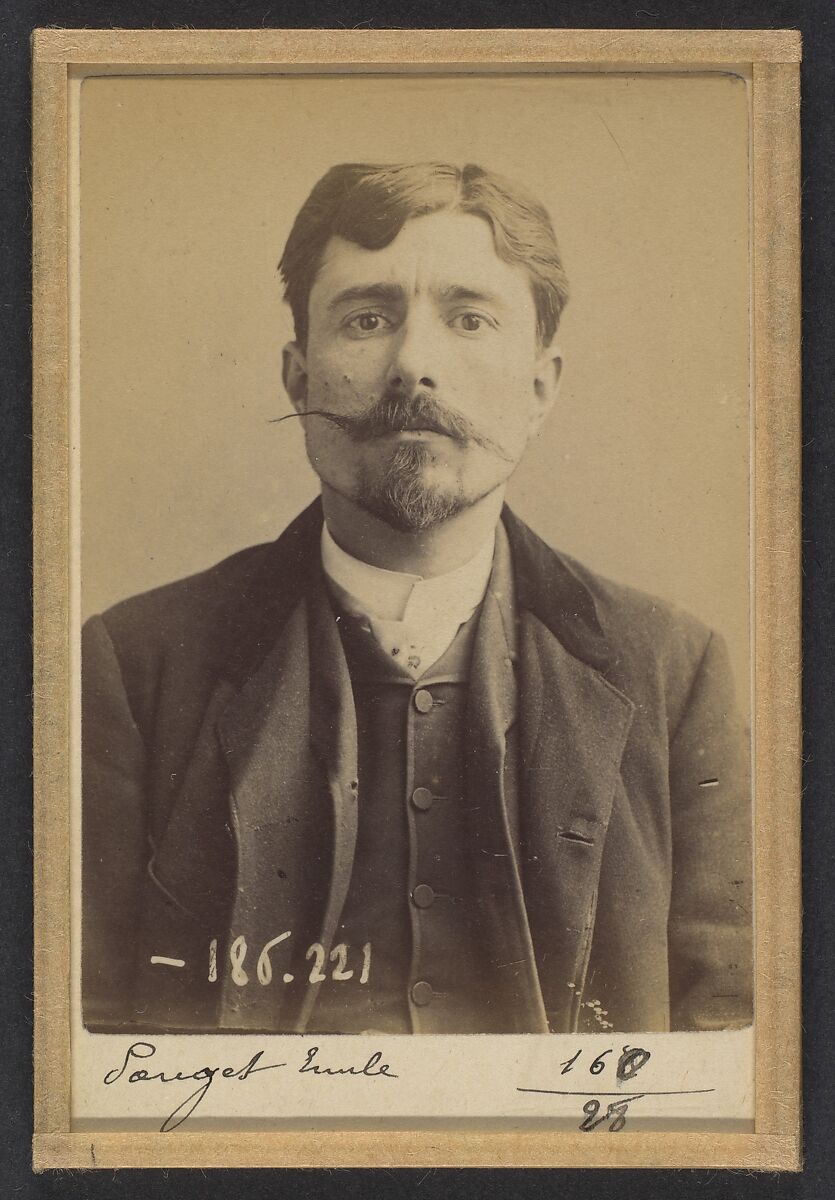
{"type": "Point", "coordinates": [372, 1068]}
{"type": "Point", "coordinates": [605, 1106]}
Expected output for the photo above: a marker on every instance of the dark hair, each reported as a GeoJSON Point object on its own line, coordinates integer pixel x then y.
{"type": "Point", "coordinates": [369, 205]}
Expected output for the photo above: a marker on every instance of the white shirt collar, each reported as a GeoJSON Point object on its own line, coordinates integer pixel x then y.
{"type": "Point", "coordinates": [409, 615]}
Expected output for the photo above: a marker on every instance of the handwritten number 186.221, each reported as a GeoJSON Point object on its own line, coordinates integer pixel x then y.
{"type": "Point", "coordinates": [238, 951]}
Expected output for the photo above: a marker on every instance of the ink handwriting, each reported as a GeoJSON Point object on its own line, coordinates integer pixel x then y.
{"type": "Point", "coordinates": [627, 1066]}
{"type": "Point", "coordinates": [320, 955]}
{"type": "Point", "coordinates": [204, 1076]}
{"type": "Point", "coordinates": [373, 1067]}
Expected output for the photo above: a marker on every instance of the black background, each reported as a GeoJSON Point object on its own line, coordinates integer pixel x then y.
{"type": "Point", "coordinates": [816, 20]}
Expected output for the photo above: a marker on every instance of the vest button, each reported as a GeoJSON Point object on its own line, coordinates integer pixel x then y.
{"type": "Point", "coordinates": [421, 993]}
{"type": "Point", "coordinates": [423, 700]}
{"type": "Point", "coordinates": [423, 895]}
{"type": "Point", "coordinates": [422, 798]}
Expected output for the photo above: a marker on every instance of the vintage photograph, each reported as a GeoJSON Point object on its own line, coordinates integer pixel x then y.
{"type": "Point", "coordinates": [414, 599]}
{"type": "Point", "coordinates": [411, 761]}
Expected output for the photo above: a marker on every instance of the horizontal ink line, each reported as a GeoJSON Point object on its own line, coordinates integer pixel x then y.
{"type": "Point", "coordinates": [623, 1095]}
{"type": "Point", "coordinates": [168, 962]}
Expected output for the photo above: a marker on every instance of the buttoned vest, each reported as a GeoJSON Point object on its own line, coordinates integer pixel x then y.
{"type": "Point", "coordinates": [411, 903]}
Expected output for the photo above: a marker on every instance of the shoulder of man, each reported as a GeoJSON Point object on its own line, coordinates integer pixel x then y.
{"type": "Point", "coordinates": [639, 624]}
{"type": "Point", "coordinates": [206, 613]}
{"type": "Point", "coordinates": [183, 614]}
{"type": "Point", "coordinates": [647, 647]}
{"type": "Point", "coordinates": [160, 652]}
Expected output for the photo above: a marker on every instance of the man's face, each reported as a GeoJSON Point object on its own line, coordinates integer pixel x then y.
{"type": "Point", "coordinates": [425, 356]}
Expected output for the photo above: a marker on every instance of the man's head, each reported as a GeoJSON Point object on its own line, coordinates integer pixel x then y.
{"type": "Point", "coordinates": [426, 299]}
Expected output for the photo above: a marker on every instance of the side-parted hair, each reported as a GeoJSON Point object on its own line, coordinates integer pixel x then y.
{"type": "Point", "coordinates": [369, 205]}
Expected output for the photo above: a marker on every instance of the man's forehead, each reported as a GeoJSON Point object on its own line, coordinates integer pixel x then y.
{"type": "Point", "coordinates": [437, 251]}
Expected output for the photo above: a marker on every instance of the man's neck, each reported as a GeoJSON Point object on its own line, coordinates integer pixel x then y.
{"type": "Point", "coordinates": [428, 552]}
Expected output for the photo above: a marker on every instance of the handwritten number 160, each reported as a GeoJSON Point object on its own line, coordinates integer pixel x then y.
{"type": "Point", "coordinates": [629, 1063]}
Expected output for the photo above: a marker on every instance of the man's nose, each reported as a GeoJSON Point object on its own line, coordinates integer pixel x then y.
{"type": "Point", "coordinates": [414, 364]}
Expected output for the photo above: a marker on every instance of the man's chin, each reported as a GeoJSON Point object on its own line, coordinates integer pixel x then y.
{"type": "Point", "coordinates": [413, 509]}
{"type": "Point", "coordinates": [415, 492]}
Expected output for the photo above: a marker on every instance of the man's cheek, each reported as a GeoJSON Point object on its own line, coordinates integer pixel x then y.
{"type": "Point", "coordinates": [344, 388]}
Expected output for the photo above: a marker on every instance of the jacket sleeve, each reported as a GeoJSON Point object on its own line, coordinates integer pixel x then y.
{"type": "Point", "coordinates": [711, 918]}
{"type": "Point", "coordinates": [113, 834]}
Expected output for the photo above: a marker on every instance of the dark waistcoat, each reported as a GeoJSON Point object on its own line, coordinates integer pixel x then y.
{"type": "Point", "coordinates": [428, 964]}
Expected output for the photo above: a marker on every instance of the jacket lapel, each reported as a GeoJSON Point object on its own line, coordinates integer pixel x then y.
{"type": "Point", "coordinates": [573, 732]}
{"type": "Point", "coordinates": [264, 673]}
{"type": "Point", "coordinates": [492, 711]}
{"type": "Point", "coordinates": [280, 824]}
{"type": "Point", "coordinates": [269, 781]}
{"type": "Point", "coordinates": [290, 742]}
{"type": "Point", "coordinates": [333, 742]}
{"type": "Point", "coordinates": [573, 729]}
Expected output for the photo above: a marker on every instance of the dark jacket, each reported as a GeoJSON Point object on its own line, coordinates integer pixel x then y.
{"type": "Point", "coordinates": [202, 700]}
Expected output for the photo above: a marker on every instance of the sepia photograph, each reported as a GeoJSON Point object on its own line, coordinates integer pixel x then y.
{"type": "Point", "coordinates": [454, 779]}
{"type": "Point", "coordinates": [413, 686]}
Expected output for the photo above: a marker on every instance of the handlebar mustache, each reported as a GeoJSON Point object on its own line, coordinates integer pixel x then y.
{"type": "Point", "coordinates": [394, 413]}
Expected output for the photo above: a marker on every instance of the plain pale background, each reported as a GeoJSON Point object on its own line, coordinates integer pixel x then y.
{"type": "Point", "coordinates": [189, 186]}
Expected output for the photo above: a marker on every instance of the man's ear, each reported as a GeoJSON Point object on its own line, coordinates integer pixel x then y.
{"type": "Point", "coordinates": [294, 374]}
{"type": "Point", "coordinates": [546, 386]}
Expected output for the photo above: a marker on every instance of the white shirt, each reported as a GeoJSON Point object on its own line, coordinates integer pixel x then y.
{"type": "Point", "coordinates": [413, 619]}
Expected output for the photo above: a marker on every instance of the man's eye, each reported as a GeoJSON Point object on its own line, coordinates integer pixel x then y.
{"type": "Point", "coordinates": [470, 322]}
{"type": "Point", "coordinates": [367, 322]}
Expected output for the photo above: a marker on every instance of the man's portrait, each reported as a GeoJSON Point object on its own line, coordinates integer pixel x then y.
{"type": "Point", "coordinates": [409, 764]}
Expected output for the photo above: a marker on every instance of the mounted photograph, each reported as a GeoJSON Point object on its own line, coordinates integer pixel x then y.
{"type": "Point", "coordinates": [428, 451]}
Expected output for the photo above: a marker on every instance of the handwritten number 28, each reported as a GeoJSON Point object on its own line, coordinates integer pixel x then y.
{"type": "Point", "coordinates": [615, 1112]}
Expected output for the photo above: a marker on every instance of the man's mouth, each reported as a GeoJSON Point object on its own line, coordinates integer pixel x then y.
{"type": "Point", "coordinates": [421, 425]}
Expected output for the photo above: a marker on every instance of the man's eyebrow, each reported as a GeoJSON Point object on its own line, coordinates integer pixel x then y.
{"type": "Point", "coordinates": [391, 293]}
{"type": "Point", "coordinates": [466, 295]}
{"type": "Point", "coordinates": [381, 293]}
